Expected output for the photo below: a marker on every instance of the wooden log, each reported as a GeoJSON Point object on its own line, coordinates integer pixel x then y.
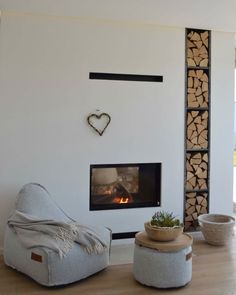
{"type": "Point", "coordinates": [200, 128]}
{"type": "Point", "coordinates": [199, 199]}
{"type": "Point", "coordinates": [203, 165]}
{"type": "Point", "coordinates": [203, 186]}
{"type": "Point", "coordinates": [200, 100]}
{"type": "Point", "coordinates": [193, 104]}
{"type": "Point", "coordinates": [191, 195]}
{"type": "Point", "coordinates": [198, 44]}
{"type": "Point", "coordinates": [190, 82]}
{"type": "Point", "coordinates": [204, 202]}
{"type": "Point", "coordinates": [189, 53]}
{"type": "Point", "coordinates": [201, 140]}
{"type": "Point", "coordinates": [197, 156]}
{"type": "Point", "coordinates": [198, 91]}
{"type": "Point", "coordinates": [192, 126]}
{"type": "Point", "coordinates": [189, 117]}
{"type": "Point", "coordinates": [189, 145]}
{"type": "Point", "coordinates": [189, 218]}
{"type": "Point", "coordinates": [191, 62]}
{"type": "Point", "coordinates": [202, 50]}
{"type": "Point", "coordinates": [191, 90]}
{"type": "Point", "coordinates": [204, 145]}
{"type": "Point", "coordinates": [195, 37]}
{"type": "Point", "coordinates": [195, 167]}
{"type": "Point", "coordinates": [189, 133]}
{"type": "Point", "coordinates": [194, 113]}
{"type": "Point", "coordinates": [204, 78]}
{"type": "Point", "coordinates": [189, 175]}
{"type": "Point", "coordinates": [203, 174]}
{"type": "Point", "coordinates": [193, 135]}
{"type": "Point", "coordinates": [201, 181]}
{"type": "Point", "coordinates": [190, 210]}
{"type": "Point", "coordinates": [198, 208]}
{"type": "Point", "coordinates": [203, 210]}
{"type": "Point", "coordinates": [198, 120]}
{"type": "Point", "coordinates": [187, 205]}
{"type": "Point", "coordinates": [191, 73]}
{"type": "Point", "coordinates": [205, 115]}
{"type": "Point", "coordinates": [203, 55]}
{"type": "Point", "coordinates": [189, 186]}
{"type": "Point", "coordinates": [195, 161]}
{"type": "Point", "coordinates": [196, 52]}
{"type": "Point", "coordinates": [191, 201]}
{"type": "Point", "coordinates": [204, 134]}
{"type": "Point", "coordinates": [203, 35]}
{"type": "Point", "coordinates": [203, 63]}
{"type": "Point", "coordinates": [197, 59]}
{"type": "Point", "coordinates": [205, 157]}
{"type": "Point", "coordinates": [191, 97]}
{"type": "Point", "coordinates": [194, 140]}
{"type": "Point", "coordinates": [189, 167]}
{"type": "Point", "coordinates": [205, 94]}
{"type": "Point", "coordinates": [192, 181]}
{"type": "Point", "coordinates": [198, 171]}
{"type": "Point", "coordinates": [190, 34]}
{"type": "Point", "coordinates": [205, 123]}
{"type": "Point", "coordinates": [195, 216]}
{"type": "Point", "coordinates": [196, 83]}
{"type": "Point", "coordinates": [206, 43]}
{"type": "Point", "coordinates": [199, 73]}
{"type": "Point", "coordinates": [187, 225]}
{"type": "Point", "coordinates": [204, 86]}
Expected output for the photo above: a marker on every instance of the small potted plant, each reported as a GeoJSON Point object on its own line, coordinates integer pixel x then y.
{"type": "Point", "coordinates": [163, 226]}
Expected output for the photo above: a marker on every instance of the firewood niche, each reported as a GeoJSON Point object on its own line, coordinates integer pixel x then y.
{"type": "Point", "coordinates": [197, 123]}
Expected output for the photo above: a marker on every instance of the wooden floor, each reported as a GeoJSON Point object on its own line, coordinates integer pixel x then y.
{"type": "Point", "coordinates": [214, 273]}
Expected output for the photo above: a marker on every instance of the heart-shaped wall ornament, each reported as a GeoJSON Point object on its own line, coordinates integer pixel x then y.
{"type": "Point", "coordinates": [99, 122]}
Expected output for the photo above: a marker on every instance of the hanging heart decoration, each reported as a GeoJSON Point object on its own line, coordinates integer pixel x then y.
{"type": "Point", "coordinates": [99, 122]}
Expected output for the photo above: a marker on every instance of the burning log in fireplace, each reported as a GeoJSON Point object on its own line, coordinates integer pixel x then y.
{"type": "Point", "coordinates": [118, 186]}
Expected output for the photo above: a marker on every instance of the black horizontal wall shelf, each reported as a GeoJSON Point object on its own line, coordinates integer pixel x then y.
{"type": "Point", "coordinates": [125, 77]}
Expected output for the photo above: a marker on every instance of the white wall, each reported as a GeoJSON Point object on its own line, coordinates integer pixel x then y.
{"type": "Point", "coordinates": [208, 14]}
{"type": "Point", "coordinates": [222, 122]}
{"type": "Point", "coordinates": [46, 96]}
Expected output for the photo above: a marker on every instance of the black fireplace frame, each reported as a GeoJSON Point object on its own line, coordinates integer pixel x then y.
{"type": "Point", "coordinates": [156, 183]}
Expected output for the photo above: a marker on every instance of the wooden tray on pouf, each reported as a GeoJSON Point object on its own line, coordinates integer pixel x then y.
{"type": "Point", "coordinates": [183, 241]}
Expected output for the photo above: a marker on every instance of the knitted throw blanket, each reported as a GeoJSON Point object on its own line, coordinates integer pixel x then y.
{"type": "Point", "coordinates": [55, 235]}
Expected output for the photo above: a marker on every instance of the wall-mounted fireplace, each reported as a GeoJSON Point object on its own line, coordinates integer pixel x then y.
{"type": "Point", "coordinates": [119, 186]}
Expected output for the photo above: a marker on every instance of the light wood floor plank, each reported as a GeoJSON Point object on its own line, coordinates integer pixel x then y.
{"type": "Point", "coordinates": [214, 273]}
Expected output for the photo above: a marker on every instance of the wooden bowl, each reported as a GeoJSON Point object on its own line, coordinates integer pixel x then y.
{"type": "Point", "coordinates": [163, 234]}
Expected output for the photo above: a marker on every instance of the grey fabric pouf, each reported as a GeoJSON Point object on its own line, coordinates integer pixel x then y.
{"type": "Point", "coordinates": [168, 268]}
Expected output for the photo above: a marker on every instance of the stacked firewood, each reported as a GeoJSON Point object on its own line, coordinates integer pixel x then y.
{"type": "Point", "coordinates": [196, 204]}
{"type": "Point", "coordinates": [197, 126]}
{"type": "Point", "coordinates": [197, 129]}
{"type": "Point", "coordinates": [197, 171]}
{"type": "Point", "coordinates": [198, 90]}
{"type": "Point", "coordinates": [197, 49]}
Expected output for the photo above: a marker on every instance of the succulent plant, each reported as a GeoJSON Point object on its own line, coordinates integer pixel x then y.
{"type": "Point", "coordinates": [164, 219]}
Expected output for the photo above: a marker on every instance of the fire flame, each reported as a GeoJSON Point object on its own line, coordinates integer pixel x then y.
{"type": "Point", "coordinates": [124, 200]}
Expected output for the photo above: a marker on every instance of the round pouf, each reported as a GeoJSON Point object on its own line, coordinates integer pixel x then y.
{"type": "Point", "coordinates": [163, 264]}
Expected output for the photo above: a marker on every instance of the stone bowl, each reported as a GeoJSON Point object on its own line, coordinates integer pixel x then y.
{"type": "Point", "coordinates": [217, 229]}
{"type": "Point", "coordinates": [162, 234]}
